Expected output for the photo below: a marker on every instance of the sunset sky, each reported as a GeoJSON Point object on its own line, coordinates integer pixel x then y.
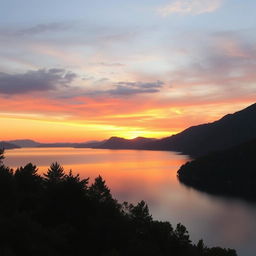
{"type": "Point", "coordinates": [83, 70]}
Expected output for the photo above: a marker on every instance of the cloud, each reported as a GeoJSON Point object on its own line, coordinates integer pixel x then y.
{"type": "Point", "coordinates": [43, 28]}
{"type": "Point", "coordinates": [37, 80]}
{"type": "Point", "coordinates": [194, 7]}
{"type": "Point", "coordinates": [106, 64]}
{"type": "Point", "coordinates": [131, 88]}
{"type": "Point", "coordinates": [225, 68]}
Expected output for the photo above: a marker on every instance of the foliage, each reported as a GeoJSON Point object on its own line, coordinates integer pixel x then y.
{"type": "Point", "coordinates": [230, 172]}
{"type": "Point", "coordinates": [1, 156]}
{"type": "Point", "coordinates": [60, 214]}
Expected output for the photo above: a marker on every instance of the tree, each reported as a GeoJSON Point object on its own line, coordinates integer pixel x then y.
{"type": "Point", "coordinates": [140, 213]}
{"type": "Point", "coordinates": [1, 156]}
{"type": "Point", "coordinates": [55, 173]}
{"type": "Point", "coordinates": [28, 185]}
{"type": "Point", "coordinates": [182, 234]}
{"type": "Point", "coordinates": [7, 189]}
{"type": "Point", "coordinates": [201, 247]}
{"type": "Point", "coordinates": [75, 183]}
{"type": "Point", "coordinates": [100, 190]}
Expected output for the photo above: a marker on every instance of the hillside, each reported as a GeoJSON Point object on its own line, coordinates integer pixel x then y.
{"type": "Point", "coordinates": [6, 145]}
{"type": "Point", "coordinates": [59, 213]}
{"type": "Point", "coordinates": [230, 130]}
{"type": "Point", "coordinates": [25, 143]}
{"type": "Point", "coordinates": [229, 172]}
{"type": "Point", "coordinates": [121, 143]}
{"type": "Point", "coordinates": [195, 141]}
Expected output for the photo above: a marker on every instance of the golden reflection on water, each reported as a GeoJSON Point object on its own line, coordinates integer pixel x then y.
{"type": "Point", "coordinates": [134, 175]}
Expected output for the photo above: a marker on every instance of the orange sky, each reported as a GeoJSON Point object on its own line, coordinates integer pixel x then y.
{"type": "Point", "coordinates": [49, 121]}
{"type": "Point", "coordinates": [89, 71]}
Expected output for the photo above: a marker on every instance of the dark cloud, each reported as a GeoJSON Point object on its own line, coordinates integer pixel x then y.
{"type": "Point", "coordinates": [38, 80]}
{"type": "Point", "coordinates": [119, 89]}
{"type": "Point", "coordinates": [131, 88]}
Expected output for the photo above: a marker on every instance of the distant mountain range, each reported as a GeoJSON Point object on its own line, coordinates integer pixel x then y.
{"type": "Point", "coordinates": [120, 143]}
{"type": "Point", "coordinates": [230, 130]}
{"type": "Point", "coordinates": [26, 143]}
{"type": "Point", "coordinates": [7, 145]}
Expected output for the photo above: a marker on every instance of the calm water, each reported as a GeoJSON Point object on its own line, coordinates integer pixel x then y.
{"type": "Point", "coordinates": [151, 175]}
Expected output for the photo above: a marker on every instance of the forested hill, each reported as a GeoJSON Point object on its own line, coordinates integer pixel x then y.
{"type": "Point", "coordinates": [121, 143]}
{"type": "Point", "coordinates": [229, 172]}
{"type": "Point", "coordinates": [59, 214]}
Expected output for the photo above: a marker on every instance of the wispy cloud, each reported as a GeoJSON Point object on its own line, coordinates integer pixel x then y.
{"type": "Point", "coordinates": [194, 7]}
{"type": "Point", "coordinates": [118, 90]}
{"type": "Point", "coordinates": [131, 88]}
{"type": "Point", "coordinates": [43, 28]}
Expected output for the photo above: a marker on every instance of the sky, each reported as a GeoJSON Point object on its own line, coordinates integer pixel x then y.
{"type": "Point", "coordinates": [87, 70]}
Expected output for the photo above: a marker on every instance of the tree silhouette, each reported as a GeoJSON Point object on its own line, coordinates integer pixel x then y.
{"type": "Point", "coordinates": [1, 156]}
{"type": "Point", "coordinates": [28, 184]}
{"type": "Point", "coordinates": [7, 190]}
{"type": "Point", "coordinates": [182, 234]}
{"type": "Point", "coordinates": [140, 213]}
{"type": "Point", "coordinates": [60, 215]}
{"type": "Point", "coordinates": [55, 173]}
{"type": "Point", "coordinates": [100, 190]}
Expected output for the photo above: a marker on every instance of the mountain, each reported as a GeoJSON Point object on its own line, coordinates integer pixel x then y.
{"type": "Point", "coordinates": [90, 144]}
{"type": "Point", "coordinates": [6, 145]}
{"type": "Point", "coordinates": [230, 130]}
{"type": "Point", "coordinates": [25, 143]}
{"type": "Point", "coordinates": [33, 144]}
{"type": "Point", "coordinates": [228, 172]}
{"type": "Point", "coordinates": [195, 141]}
{"type": "Point", "coordinates": [121, 143]}
{"type": "Point", "coordinates": [57, 145]}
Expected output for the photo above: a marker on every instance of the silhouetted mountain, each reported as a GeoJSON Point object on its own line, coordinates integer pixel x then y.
{"type": "Point", "coordinates": [230, 130]}
{"type": "Point", "coordinates": [121, 143]}
{"type": "Point", "coordinates": [70, 145]}
{"type": "Point", "coordinates": [90, 144]}
{"type": "Point", "coordinates": [25, 143]}
{"type": "Point", "coordinates": [57, 145]}
{"type": "Point", "coordinates": [229, 172]}
{"type": "Point", "coordinates": [33, 144]}
{"type": "Point", "coordinates": [7, 145]}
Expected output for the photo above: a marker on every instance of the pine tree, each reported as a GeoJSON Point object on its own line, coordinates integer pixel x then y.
{"type": "Point", "coordinates": [55, 173]}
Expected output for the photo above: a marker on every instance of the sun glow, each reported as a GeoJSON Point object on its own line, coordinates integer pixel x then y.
{"type": "Point", "coordinates": [57, 131]}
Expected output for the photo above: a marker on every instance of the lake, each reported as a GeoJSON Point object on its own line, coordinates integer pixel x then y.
{"type": "Point", "coordinates": [135, 175]}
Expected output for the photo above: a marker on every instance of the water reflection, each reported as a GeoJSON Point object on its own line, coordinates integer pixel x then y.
{"type": "Point", "coordinates": [151, 175]}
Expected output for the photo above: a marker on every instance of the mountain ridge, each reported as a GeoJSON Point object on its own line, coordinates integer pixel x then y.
{"type": "Point", "coordinates": [198, 140]}
{"type": "Point", "coordinates": [230, 130]}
